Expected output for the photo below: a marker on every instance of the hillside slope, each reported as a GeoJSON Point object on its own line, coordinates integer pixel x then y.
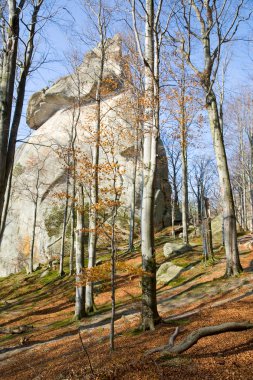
{"type": "Point", "coordinates": [198, 297]}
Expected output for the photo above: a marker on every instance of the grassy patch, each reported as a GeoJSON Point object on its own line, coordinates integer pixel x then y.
{"type": "Point", "coordinates": [177, 281]}
{"type": "Point", "coordinates": [181, 262]}
{"type": "Point", "coordinates": [7, 337]}
{"type": "Point", "coordinates": [62, 323]}
{"type": "Point", "coordinates": [177, 322]}
{"type": "Point", "coordinates": [52, 276]}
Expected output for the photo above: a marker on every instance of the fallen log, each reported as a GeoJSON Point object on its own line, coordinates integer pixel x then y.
{"type": "Point", "coordinates": [193, 337]}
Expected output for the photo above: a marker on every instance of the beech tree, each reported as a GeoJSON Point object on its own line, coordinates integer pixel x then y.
{"type": "Point", "coordinates": [80, 288]}
{"type": "Point", "coordinates": [211, 24]}
{"type": "Point", "coordinates": [154, 32]}
{"type": "Point", "coordinates": [100, 17]}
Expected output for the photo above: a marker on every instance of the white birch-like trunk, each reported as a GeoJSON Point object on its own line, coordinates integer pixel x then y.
{"type": "Point", "coordinates": [149, 305]}
{"type": "Point", "coordinates": [185, 208]}
{"type": "Point", "coordinates": [80, 289]}
{"type": "Point", "coordinates": [92, 244]}
{"type": "Point", "coordinates": [133, 194]}
{"type": "Point", "coordinates": [64, 227]}
{"type": "Point", "coordinates": [31, 260]}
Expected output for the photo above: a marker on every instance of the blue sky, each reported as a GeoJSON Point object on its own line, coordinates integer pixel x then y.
{"type": "Point", "coordinates": [60, 39]}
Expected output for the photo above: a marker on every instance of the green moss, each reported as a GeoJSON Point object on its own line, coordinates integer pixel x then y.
{"type": "Point", "coordinates": [52, 276]}
{"type": "Point", "coordinates": [181, 262]}
{"type": "Point", "coordinates": [178, 322]}
{"type": "Point", "coordinates": [6, 338]}
{"type": "Point", "coordinates": [178, 281]}
{"type": "Point", "coordinates": [62, 323]}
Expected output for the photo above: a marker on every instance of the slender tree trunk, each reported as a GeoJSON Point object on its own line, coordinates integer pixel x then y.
{"type": "Point", "coordinates": [149, 304]}
{"type": "Point", "coordinates": [80, 289]}
{"type": "Point", "coordinates": [206, 229]}
{"type": "Point", "coordinates": [183, 127]}
{"type": "Point", "coordinates": [92, 245]}
{"type": "Point", "coordinates": [132, 209]}
{"type": "Point", "coordinates": [133, 195]}
{"type": "Point", "coordinates": [251, 180]}
{"type": "Point", "coordinates": [33, 234]}
{"type": "Point", "coordinates": [72, 248]}
{"type": "Point", "coordinates": [185, 203]}
{"type": "Point", "coordinates": [230, 234]}
{"type": "Point", "coordinates": [64, 227]}
{"type": "Point", "coordinates": [173, 217]}
{"type": "Point", "coordinates": [113, 264]}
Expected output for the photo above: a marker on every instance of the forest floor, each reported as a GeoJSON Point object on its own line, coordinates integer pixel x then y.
{"type": "Point", "coordinates": [198, 297]}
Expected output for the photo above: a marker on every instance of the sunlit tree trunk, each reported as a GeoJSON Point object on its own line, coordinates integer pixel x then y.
{"type": "Point", "coordinates": [132, 206]}
{"type": "Point", "coordinates": [35, 212]}
{"type": "Point", "coordinates": [233, 266]}
{"type": "Point", "coordinates": [72, 248]}
{"type": "Point", "coordinates": [149, 304]}
{"type": "Point", "coordinates": [80, 289]}
{"type": "Point", "coordinates": [183, 127]}
{"type": "Point", "coordinates": [65, 221]}
{"type": "Point", "coordinates": [92, 244]}
{"type": "Point", "coordinates": [251, 179]}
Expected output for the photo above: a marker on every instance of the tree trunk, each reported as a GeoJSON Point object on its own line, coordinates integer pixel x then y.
{"type": "Point", "coordinates": [149, 304]}
{"type": "Point", "coordinates": [251, 180]}
{"type": "Point", "coordinates": [183, 127]}
{"type": "Point", "coordinates": [230, 234]}
{"type": "Point", "coordinates": [133, 197]}
{"type": "Point", "coordinates": [113, 264]}
{"type": "Point", "coordinates": [80, 289]}
{"type": "Point", "coordinates": [92, 245]}
{"type": "Point", "coordinates": [64, 227]}
{"type": "Point", "coordinates": [206, 229]}
{"type": "Point", "coordinates": [33, 234]}
{"type": "Point", "coordinates": [185, 203]}
{"type": "Point", "coordinates": [72, 248]}
{"type": "Point", "coordinates": [8, 73]}
{"type": "Point", "coordinates": [173, 217]}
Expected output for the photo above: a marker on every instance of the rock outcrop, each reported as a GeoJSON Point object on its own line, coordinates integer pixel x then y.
{"type": "Point", "coordinates": [167, 272]}
{"type": "Point", "coordinates": [169, 249]}
{"type": "Point", "coordinates": [40, 173]}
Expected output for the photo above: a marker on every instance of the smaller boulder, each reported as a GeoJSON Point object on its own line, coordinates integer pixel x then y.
{"type": "Point", "coordinates": [170, 248]}
{"type": "Point", "coordinates": [45, 273]}
{"type": "Point", "coordinates": [167, 272]}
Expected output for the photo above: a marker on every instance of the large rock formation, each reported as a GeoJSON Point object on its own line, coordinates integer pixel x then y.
{"type": "Point", "coordinates": [40, 167]}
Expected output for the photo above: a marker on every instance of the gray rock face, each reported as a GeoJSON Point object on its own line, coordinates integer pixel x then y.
{"type": "Point", "coordinates": [82, 82]}
{"type": "Point", "coordinates": [52, 113]}
{"type": "Point", "coordinates": [167, 272]}
{"type": "Point", "coordinates": [170, 248]}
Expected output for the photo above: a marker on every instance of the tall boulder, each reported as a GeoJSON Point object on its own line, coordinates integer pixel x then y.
{"type": "Point", "coordinates": [40, 165]}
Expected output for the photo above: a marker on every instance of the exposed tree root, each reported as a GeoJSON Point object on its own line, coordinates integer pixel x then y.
{"type": "Point", "coordinates": [193, 337]}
